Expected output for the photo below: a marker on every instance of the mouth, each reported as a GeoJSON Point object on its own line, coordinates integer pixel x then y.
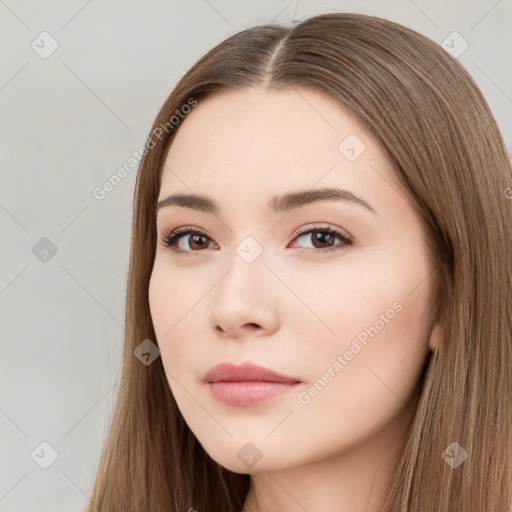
{"type": "Point", "coordinates": [247, 384]}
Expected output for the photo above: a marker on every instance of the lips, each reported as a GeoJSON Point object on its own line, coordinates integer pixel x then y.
{"type": "Point", "coordinates": [247, 384]}
{"type": "Point", "coordinates": [228, 372]}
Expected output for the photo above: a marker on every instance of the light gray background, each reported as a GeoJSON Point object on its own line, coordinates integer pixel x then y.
{"type": "Point", "coordinates": [68, 123]}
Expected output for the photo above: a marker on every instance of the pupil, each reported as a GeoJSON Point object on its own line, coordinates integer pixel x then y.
{"type": "Point", "coordinates": [322, 237]}
{"type": "Point", "coordinates": [195, 237]}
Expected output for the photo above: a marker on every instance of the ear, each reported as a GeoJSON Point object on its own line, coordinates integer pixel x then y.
{"type": "Point", "coordinates": [436, 342]}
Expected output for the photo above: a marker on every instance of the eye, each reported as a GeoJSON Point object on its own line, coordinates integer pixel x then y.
{"type": "Point", "coordinates": [196, 242]}
{"type": "Point", "coordinates": [193, 240]}
{"type": "Point", "coordinates": [323, 239]}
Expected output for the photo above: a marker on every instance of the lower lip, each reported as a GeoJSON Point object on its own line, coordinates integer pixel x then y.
{"type": "Point", "coordinates": [249, 392]}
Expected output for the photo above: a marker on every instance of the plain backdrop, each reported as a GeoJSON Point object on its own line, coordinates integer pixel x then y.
{"type": "Point", "coordinates": [81, 82]}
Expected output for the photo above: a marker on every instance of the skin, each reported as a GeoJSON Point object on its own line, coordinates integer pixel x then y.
{"type": "Point", "coordinates": [290, 310]}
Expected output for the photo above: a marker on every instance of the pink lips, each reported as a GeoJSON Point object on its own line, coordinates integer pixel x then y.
{"type": "Point", "coordinates": [247, 384]}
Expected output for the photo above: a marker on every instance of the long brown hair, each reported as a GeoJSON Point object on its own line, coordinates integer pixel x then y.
{"type": "Point", "coordinates": [429, 115]}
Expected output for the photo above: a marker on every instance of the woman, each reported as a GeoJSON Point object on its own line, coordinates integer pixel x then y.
{"type": "Point", "coordinates": [329, 201]}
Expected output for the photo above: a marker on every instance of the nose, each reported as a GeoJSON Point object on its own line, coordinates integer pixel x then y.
{"type": "Point", "coordinates": [245, 300]}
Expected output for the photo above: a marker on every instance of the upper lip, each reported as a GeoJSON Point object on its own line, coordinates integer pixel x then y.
{"type": "Point", "coordinates": [229, 372]}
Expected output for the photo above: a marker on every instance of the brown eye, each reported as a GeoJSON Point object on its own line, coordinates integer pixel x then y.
{"type": "Point", "coordinates": [323, 239]}
{"type": "Point", "coordinates": [197, 240]}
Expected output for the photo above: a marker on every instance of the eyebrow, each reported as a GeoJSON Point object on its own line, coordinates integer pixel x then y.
{"type": "Point", "coordinates": [277, 204]}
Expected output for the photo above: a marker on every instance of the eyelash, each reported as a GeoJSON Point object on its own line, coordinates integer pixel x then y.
{"type": "Point", "coordinates": [171, 238]}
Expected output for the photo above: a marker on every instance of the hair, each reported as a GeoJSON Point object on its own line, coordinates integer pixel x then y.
{"type": "Point", "coordinates": [431, 118]}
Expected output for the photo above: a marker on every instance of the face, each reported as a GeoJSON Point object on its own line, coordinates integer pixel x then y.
{"type": "Point", "coordinates": [330, 292]}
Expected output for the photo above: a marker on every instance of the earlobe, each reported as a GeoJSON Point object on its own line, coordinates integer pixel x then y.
{"type": "Point", "coordinates": [436, 341]}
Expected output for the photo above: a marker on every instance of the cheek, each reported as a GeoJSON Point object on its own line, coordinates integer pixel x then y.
{"type": "Point", "coordinates": [166, 299]}
{"type": "Point", "coordinates": [366, 371]}
{"type": "Point", "coordinates": [172, 292]}
{"type": "Point", "coordinates": [335, 301]}
{"type": "Point", "coordinates": [161, 300]}
{"type": "Point", "coordinates": [176, 299]}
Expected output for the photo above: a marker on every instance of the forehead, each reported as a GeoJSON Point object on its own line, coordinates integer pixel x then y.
{"type": "Point", "coordinates": [260, 142]}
